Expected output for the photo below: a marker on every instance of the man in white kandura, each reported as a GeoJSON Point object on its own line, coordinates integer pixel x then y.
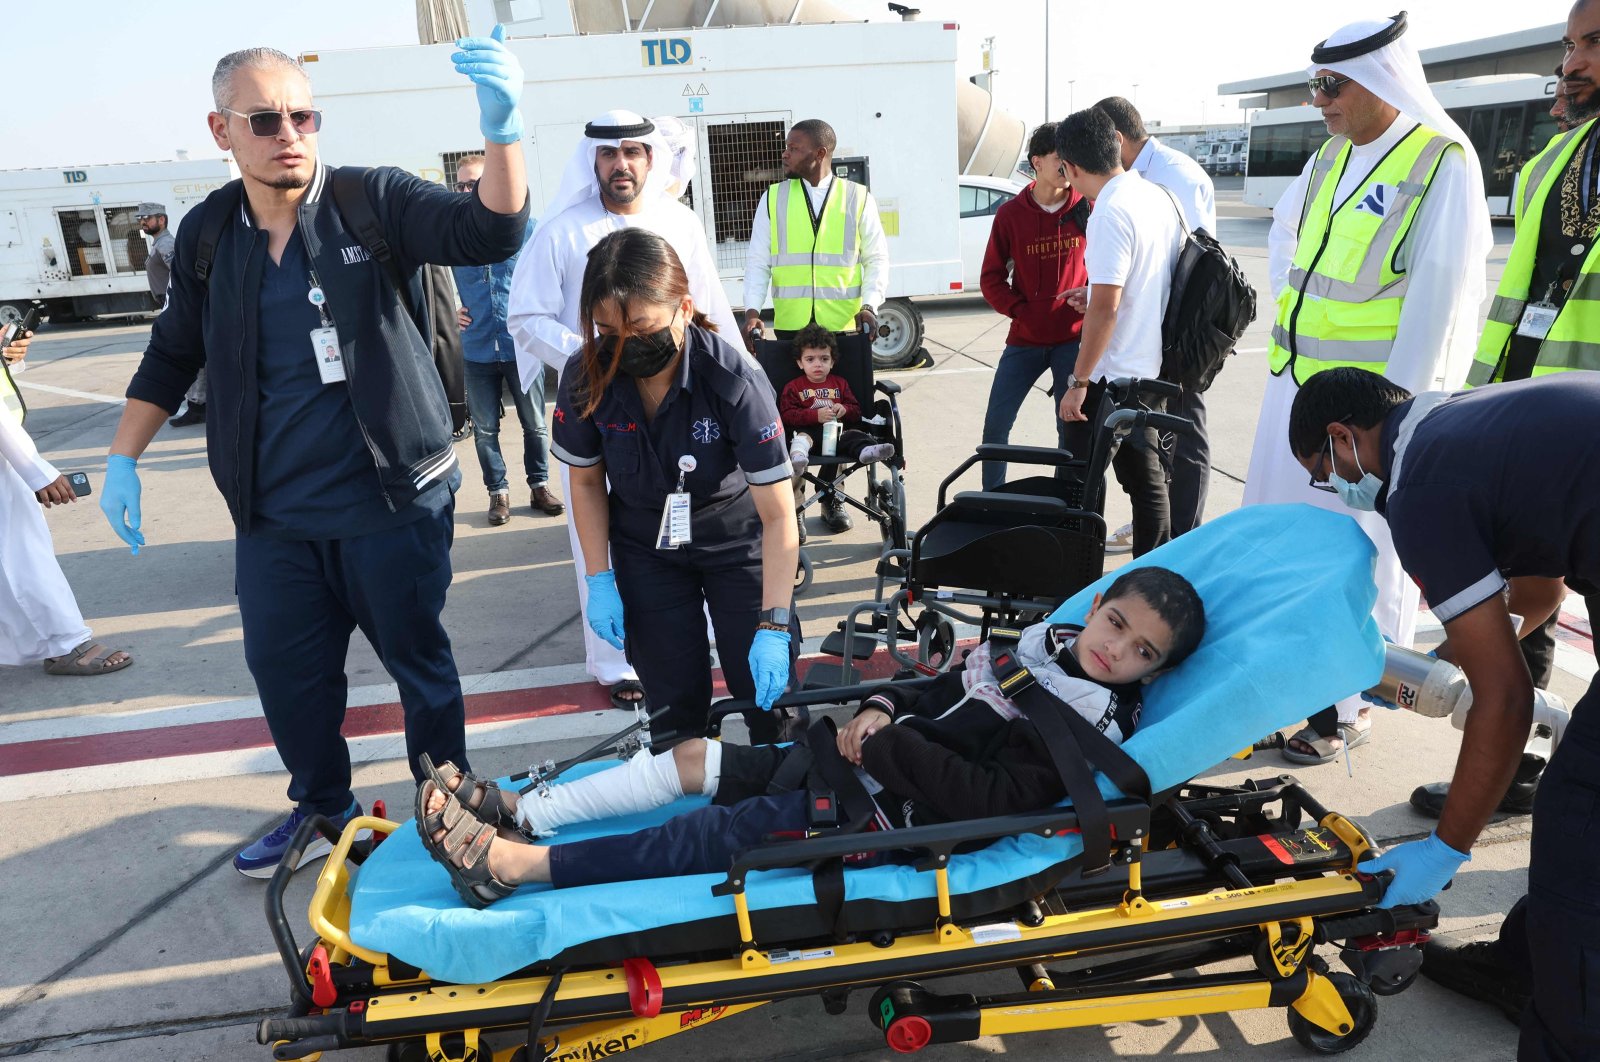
{"type": "Point", "coordinates": [1376, 257]}
{"type": "Point", "coordinates": [625, 172]}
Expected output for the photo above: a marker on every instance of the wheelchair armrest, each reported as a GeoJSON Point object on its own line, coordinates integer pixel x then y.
{"type": "Point", "coordinates": [1024, 455]}
{"type": "Point", "coordinates": [1152, 387]}
{"type": "Point", "coordinates": [1167, 422]}
{"type": "Point", "coordinates": [1023, 504]}
{"type": "Point", "coordinates": [888, 387]}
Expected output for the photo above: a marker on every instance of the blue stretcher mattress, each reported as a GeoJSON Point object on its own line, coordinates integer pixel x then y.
{"type": "Point", "coordinates": [1288, 592]}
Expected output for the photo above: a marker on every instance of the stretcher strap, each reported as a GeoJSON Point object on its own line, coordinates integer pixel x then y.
{"type": "Point", "coordinates": [1076, 748]}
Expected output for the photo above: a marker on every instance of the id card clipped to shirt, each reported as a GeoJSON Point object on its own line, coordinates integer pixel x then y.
{"type": "Point", "coordinates": [325, 340]}
{"type": "Point", "coordinates": [675, 524]}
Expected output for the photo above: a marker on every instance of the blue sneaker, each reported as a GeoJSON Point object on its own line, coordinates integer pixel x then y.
{"type": "Point", "coordinates": [261, 859]}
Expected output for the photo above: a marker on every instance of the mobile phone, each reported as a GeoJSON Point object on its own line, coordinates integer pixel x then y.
{"type": "Point", "coordinates": [80, 484]}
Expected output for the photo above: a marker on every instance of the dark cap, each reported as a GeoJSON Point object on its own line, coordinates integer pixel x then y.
{"type": "Point", "coordinates": [150, 210]}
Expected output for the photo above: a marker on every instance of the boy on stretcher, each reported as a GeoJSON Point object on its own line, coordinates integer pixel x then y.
{"type": "Point", "coordinates": [958, 749]}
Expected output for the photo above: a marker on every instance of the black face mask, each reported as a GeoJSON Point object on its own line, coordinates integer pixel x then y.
{"type": "Point", "coordinates": [645, 355]}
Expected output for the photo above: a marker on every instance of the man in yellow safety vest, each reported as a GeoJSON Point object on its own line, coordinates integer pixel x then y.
{"type": "Point", "coordinates": [816, 240]}
{"type": "Point", "coordinates": [1376, 255]}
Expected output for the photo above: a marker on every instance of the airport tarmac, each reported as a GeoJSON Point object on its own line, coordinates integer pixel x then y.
{"type": "Point", "coordinates": [131, 936]}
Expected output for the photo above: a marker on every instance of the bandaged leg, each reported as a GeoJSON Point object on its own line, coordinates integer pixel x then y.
{"type": "Point", "coordinates": [646, 781]}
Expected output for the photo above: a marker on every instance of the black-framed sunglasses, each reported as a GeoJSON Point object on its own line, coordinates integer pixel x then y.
{"type": "Point", "coordinates": [467, 186]}
{"type": "Point", "coordinates": [1327, 84]}
{"type": "Point", "coordinates": [268, 123]}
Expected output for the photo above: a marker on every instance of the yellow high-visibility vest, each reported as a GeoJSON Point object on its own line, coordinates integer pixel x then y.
{"type": "Point", "coordinates": [1573, 341]}
{"type": "Point", "coordinates": [816, 269]}
{"type": "Point", "coordinates": [1342, 303]}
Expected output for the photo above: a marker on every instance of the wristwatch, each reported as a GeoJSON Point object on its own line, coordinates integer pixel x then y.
{"type": "Point", "coordinates": [1073, 383]}
{"type": "Point", "coordinates": [776, 619]}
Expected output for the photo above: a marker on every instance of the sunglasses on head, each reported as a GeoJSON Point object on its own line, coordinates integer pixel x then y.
{"type": "Point", "coordinates": [268, 123]}
{"type": "Point", "coordinates": [467, 186]}
{"type": "Point", "coordinates": [1327, 84]}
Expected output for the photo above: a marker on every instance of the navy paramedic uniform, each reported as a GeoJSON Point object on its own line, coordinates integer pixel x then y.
{"type": "Point", "coordinates": [1475, 499]}
{"type": "Point", "coordinates": [721, 412]}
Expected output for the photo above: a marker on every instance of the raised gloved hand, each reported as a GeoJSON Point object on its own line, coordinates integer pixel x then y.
{"type": "Point", "coordinates": [605, 607]}
{"type": "Point", "coordinates": [1421, 870]}
{"type": "Point", "coordinates": [769, 666]}
{"type": "Point", "coordinates": [498, 75]}
{"type": "Point", "coordinates": [119, 499]}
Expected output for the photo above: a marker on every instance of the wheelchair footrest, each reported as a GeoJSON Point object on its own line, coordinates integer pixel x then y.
{"type": "Point", "coordinates": [861, 647]}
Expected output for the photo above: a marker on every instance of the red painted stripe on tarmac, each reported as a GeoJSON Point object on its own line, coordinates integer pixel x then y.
{"type": "Point", "coordinates": [227, 735]}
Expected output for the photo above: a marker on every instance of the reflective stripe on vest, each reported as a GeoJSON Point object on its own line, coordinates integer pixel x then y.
{"type": "Point", "coordinates": [816, 271]}
{"type": "Point", "coordinates": [1342, 303]}
{"type": "Point", "coordinates": [10, 399]}
{"type": "Point", "coordinates": [1573, 341]}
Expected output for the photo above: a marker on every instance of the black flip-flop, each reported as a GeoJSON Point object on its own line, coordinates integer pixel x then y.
{"type": "Point", "coordinates": [627, 704]}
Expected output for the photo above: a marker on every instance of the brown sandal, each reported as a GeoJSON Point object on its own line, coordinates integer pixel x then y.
{"type": "Point", "coordinates": [473, 792]}
{"type": "Point", "coordinates": [87, 659]}
{"type": "Point", "coordinates": [464, 848]}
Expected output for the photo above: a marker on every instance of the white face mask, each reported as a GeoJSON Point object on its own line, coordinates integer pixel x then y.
{"type": "Point", "coordinates": [1362, 495]}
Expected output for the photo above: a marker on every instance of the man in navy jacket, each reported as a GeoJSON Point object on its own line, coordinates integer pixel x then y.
{"type": "Point", "coordinates": [328, 431]}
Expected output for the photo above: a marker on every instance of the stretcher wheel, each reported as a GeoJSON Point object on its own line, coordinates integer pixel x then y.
{"type": "Point", "coordinates": [1363, 1011]}
{"type": "Point", "coordinates": [1381, 987]}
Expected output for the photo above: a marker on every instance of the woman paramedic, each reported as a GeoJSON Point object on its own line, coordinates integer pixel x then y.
{"type": "Point", "coordinates": [678, 464]}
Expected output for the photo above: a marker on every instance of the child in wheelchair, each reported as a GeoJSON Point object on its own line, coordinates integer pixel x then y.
{"type": "Point", "coordinates": [818, 397]}
{"type": "Point", "coordinates": [960, 748]}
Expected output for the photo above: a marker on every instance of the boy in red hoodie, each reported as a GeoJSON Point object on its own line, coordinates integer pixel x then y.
{"type": "Point", "coordinates": [818, 396]}
{"type": "Point", "coordinates": [1035, 254]}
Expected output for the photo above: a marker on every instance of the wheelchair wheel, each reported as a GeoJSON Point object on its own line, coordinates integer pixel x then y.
{"type": "Point", "coordinates": [1363, 1012]}
{"type": "Point", "coordinates": [802, 574]}
{"type": "Point", "coordinates": [936, 640]}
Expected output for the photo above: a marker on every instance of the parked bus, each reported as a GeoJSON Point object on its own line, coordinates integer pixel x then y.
{"type": "Point", "coordinates": [1507, 118]}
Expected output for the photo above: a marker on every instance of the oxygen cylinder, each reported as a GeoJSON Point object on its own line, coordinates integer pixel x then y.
{"type": "Point", "coordinates": [1435, 688]}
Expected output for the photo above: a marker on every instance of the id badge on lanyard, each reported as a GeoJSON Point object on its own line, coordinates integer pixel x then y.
{"type": "Point", "coordinates": [675, 514]}
{"type": "Point", "coordinates": [1539, 317]}
{"type": "Point", "coordinates": [325, 350]}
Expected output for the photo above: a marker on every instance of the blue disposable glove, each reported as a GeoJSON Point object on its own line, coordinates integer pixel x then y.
{"type": "Point", "coordinates": [769, 666]}
{"type": "Point", "coordinates": [1421, 870]}
{"type": "Point", "coordinates": [605, 607]}
{"type": "Point", "coordinates": [498, 75]}
{"type": "Point", "coordinates": [119, 499]}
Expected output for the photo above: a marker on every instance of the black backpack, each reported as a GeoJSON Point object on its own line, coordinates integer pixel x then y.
{"type": "Point", "coordinates": [1210, 306]}
{"type": "Point", "coordinates": [435, 319]}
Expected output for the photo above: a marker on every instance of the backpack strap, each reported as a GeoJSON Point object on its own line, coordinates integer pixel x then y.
{"type": "Point", "coordinates": [355, 207]}
{"type": "Point", "coordinates": [216, 214]}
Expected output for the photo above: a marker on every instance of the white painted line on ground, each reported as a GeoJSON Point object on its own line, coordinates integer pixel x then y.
{"type": "Point", "coordinates": [234, 763]}
{"type": "Point", "coordinates": [955, 372]}
{"type": "Point", "coordinates": [70, 393]}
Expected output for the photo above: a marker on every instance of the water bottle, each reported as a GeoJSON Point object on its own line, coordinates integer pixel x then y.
{"type": "Point", "coordinates": [830, 438]}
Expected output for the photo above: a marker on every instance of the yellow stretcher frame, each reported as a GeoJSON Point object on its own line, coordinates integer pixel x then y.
{"type": "Point", "coordinates": [449, 1019]}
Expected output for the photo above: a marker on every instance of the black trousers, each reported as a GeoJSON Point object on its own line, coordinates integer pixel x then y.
{"type": "Point", "coordinates": [1188, 464]}
{"type": "Point", "coordinates": [1138, 470]}
{"type": "Point", "coordinates": [299, 603]}
{"type": "Point", "coordinates": [665, 594]}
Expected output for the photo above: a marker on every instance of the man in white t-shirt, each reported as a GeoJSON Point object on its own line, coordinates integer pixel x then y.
{"type": "Point", "coordinates": [1133, 242]}
{"type": "Point", "coordinates": [1189, 460]}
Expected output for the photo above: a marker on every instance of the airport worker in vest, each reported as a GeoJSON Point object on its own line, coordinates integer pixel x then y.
{"type": "Point", "coordinates": [626, 172]}
{"type": "Point", "coordinates": [1376, 257]}
{"type": "Point", "coordinates": [823, 254]}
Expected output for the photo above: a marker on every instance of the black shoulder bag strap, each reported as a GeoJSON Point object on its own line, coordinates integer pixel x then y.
{"type": "Point", "coordinates": [350, 196]}
{"type": "Point", "coordinates": [216, 215]}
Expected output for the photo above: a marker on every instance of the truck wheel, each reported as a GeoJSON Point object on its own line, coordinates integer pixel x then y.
{"type": "Point", "coordinates": [902, 322]}
{"type": "Point", "coordinates": [12, 313]}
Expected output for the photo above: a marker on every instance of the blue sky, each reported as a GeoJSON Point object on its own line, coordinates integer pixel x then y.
{"type": "Point", "coordinates": [127, 82]}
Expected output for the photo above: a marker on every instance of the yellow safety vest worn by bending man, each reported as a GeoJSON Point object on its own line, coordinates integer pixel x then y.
{"type": "Point", "coordinates": [816, 262]}
{"type": "Point", "coordinates": [1573, 339]}
{"type": "Point", "coordinates": [1342, 303]}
